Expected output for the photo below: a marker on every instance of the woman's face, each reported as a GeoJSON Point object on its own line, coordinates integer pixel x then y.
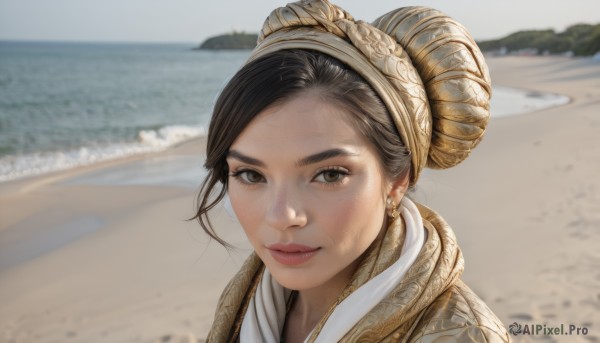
{"type": "Point", "coordinates": [308, 191]}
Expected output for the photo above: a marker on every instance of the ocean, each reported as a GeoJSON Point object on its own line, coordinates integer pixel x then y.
{"type": "Point", "coordinates": [69, 104]}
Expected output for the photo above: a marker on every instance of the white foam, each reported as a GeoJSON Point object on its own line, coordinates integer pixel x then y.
{"type": "Point", "coordinates": [15, 167]}
{"type": "Point", "coordinates": [169, 135]}
{"type": "Point", "coordinates": [505, 102]}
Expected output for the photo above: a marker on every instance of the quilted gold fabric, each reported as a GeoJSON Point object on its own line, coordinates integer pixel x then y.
{"type": "Point", "coordinates": [424, 66]}
{"type": "Point", "coordinates": [430, 304]}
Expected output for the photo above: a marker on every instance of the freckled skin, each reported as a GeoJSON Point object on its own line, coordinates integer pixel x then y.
{"type": "Point", "coordinates": [284, 203]}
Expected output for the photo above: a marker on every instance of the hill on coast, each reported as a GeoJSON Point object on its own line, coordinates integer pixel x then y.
{"type": "Point", "coordinates": [579, 40]}
{"type": "Point", "coordinates": [235, 40]}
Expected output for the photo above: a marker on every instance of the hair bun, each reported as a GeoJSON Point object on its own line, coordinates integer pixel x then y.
{"type": "Point", "coordinates": [454, 74]}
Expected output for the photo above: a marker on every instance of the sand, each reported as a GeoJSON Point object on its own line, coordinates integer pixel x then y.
{"type": "Point", "coordinates": [526, 205]}
{"type": "Point", "coordinates": [105, 254]}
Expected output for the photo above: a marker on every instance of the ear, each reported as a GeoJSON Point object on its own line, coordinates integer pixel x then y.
{"type": "Point", "coordinates": [399, 188]}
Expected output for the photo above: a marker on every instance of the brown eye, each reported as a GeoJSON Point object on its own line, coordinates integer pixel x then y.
{"type": "Point", "coordinates": [331, 176]}
{"type": "Point", "coordinates": [253, 177]}
{"type": "Point", "coordinates": [248, 176]}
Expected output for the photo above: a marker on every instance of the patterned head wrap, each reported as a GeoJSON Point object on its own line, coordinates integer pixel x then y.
{"type": "Point", "coordinates": [425, 67]}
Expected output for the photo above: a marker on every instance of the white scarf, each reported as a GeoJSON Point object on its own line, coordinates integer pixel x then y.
{"type": "Point", "coordinates": [265, 316]}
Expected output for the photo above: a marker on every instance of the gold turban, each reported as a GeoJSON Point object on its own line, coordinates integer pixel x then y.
{"type": "Point", "coordinates": [424, 66]}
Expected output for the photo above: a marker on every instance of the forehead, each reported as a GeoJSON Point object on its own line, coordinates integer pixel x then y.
{"type": "Point", "coordinates": [302, 124]}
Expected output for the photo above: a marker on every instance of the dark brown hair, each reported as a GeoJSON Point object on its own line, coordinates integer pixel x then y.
{"type": "Point", "coordinates": [279, 76]}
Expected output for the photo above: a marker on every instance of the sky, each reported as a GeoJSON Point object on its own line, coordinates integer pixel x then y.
{"type": "Point", "coordinates": [192, 21]}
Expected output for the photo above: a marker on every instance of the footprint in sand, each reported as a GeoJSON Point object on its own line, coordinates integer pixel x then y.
{"type": "Point", "coordinates": [522, 316]}
{"type": "Point", "coordinates": [185, 338]}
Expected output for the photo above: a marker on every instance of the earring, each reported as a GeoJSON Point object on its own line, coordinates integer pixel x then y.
{"type": "Point", "coordinates": [392, 208]}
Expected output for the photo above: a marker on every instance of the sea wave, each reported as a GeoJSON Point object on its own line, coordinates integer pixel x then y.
{"type": "Point", "coordinates": [18, 166]}
{"type": "Point", "coordinates": [505, 102]}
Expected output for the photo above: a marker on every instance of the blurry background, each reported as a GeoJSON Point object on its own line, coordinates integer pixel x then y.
{"type": "Point", "coordinates": [192, 21]}
{"type": "Point", "coordinates": [103, 110]}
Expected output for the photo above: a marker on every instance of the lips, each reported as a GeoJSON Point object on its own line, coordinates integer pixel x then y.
{"type": "Point", "coordinates": [292, 254]}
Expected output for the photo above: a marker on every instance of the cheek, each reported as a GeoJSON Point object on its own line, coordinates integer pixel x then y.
{"type": "Point", "coordinates": [356, 215]}
{"type": "Point", "coordinates": [247, 209]}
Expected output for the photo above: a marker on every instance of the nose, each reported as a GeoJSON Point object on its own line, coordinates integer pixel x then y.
{"type": "Point", "coordinates": [285, 211]}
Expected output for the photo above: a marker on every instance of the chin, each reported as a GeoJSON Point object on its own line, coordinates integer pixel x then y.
{"type": "Point", "coordinates": [295, 278]}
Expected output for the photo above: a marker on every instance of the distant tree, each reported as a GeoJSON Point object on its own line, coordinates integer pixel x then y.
{"type": "Point", "coordinates": [589, 44]}
{"type": "Point", "coordinates": [582, 39]}
{"type": "Point", "coordinates": [553, 44]}
{"type": "Point", "coordinates": [579, 31]}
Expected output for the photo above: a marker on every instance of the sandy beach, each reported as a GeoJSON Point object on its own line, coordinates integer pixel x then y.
{"type": "Point", "coordinates": [105, 253]}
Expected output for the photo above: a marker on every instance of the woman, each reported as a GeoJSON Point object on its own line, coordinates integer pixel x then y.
{"type": "Point", "coordinates": [316, 141]}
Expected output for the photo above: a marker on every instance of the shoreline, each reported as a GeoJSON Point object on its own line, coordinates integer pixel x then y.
{"type": "Point", "coordinates": [513, 101]}
{"type": "Point", "coordinates": [526, 220]}
{"type": "Point", "coordinates": [530, 200]}
{"type": "Point", "coordinates": [102, 161]}
{"type": "Point", "coordinates": [194, 147]}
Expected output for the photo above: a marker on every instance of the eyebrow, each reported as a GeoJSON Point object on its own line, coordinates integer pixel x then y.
{"type": "Point", "coordinates": [312, 159]}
